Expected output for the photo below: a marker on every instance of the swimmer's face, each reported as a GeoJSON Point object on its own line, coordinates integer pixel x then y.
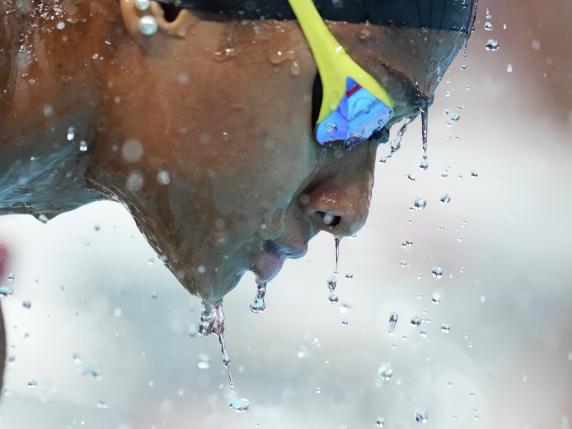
{"type": "Point", "coordinates": [224, 115]}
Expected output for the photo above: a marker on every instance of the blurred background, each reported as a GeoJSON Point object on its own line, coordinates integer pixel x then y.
{"type": "Point", "coordinates": [101, 335]}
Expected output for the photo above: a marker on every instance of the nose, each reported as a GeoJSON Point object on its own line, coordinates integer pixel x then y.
{"type": "Point", "coordinates": [338, 201]}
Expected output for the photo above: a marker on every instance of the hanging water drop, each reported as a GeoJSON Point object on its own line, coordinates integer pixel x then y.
{"type": "Point", "coordinates": [259, 304]}
{"type": "Point", "coordinates": [424, 133]}
{"type": "Point", "coordinates": [488, 26]}
{"type": "Point", "coordinates": [333, 281]}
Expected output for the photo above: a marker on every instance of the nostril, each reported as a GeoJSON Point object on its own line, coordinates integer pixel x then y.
{"type": "Point", "coordinates": [330, 219]}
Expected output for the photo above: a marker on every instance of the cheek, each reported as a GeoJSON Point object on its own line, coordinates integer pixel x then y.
{"type": "Point", "coordinates": [262, 177]}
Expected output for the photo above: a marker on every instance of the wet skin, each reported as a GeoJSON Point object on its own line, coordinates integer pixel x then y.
{"type": "Point", "coordinates": [213, 104]}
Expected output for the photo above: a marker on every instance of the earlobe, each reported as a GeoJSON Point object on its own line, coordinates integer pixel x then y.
{"type": "Point", "coordinates": [145, 19]}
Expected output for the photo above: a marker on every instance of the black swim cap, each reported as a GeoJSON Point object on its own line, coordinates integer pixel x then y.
{"type": "Point", "coordinates": [451, 15]}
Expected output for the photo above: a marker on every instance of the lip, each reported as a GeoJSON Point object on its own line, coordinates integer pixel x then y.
{"type": "Point", "coordinates": [268, 264]}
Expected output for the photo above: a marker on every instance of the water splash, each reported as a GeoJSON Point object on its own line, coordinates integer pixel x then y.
{"type": "Point", "coordinates": [259, 305]}
{"type": "Point", "coordinates": [333, 281]}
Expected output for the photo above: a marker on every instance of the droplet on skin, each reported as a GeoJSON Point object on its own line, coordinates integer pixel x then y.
{"type": "Point", "coordinates": [134, 181]}
{"type": "Point", "coordinates": [492, 45]}
{"type": "Point", "coordinates": [70, 134]}
{"type": "Point", "coordinates": [488, 26]}
{"type": "Point", "coordinates": [163, 178]}
{"type": "Point", "coordinates": [132, 151]}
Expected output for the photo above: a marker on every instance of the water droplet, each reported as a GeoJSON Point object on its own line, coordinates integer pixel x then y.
{"type": "Point", "coordinates": [455, 116]}
{"type": "Point", "coordinates": [436, 298]}
{"type": "Point", "coordinates": [385, 371]}
{"type": "Point", "coordinates": [488, 26]}
{"type": "Point", "coordinates": [163, 177]}
{"type": "Point", "coordinates": [11, 277]}
{"type": "Point", "coordinates": [411, 177]}
{"type": "Point", "coordinates": [259, 304]}
{"type": "Point", "coordinates": [203, 361]}
{"type": "Point", "coordinates": [132, 151]}
{"type": "Point", "coordinates": [393, 318]}
{"type": "Point", "coordinates": [403, 264]}
{"type": "Point", "coordinates": [349, 276]}
{"type": "Point", "coordinates": [148, 25]}
{"type": "Point", "coordinates": [416, 321]}
{"type": "Point", "coordinates": [295, 68]}
{"type": "Point", "coordinates": [142, 4]}
{"type": "Point", "coordinates": [27, 304]}
{"type": "Point", "coordinates": [101, 404]}
{"type": "Point", "coordinates": [345, 308]}
{"type": "Point", "coordinates": [445, 199]}
{"type": "Point", "coordinates": [437, 272]}
{"type": "Point", "coordinates": [134, 181]}
{"type": "Point", "coordinates": [302, 352]}
{"type": "Point", "coordinates": [240, 405]}
{"type": "Point", "coordinates": [492, 45]}
{"type": "Point", "coordinates": [419, 203]}
{"type": "Point", "coordinates": [380, 422]}
{"type": "Point", "coordinates": [406, 243]}
{"type": "Point", "coordinates": [32, 384]}
{"type": "Point", "coordinates": [6, 291]}
{"type": "Point", "coordinates": [421, 415]}
{"type": "Point", "coordinates": [60, 25]}
{"type": "Point", "coordinates": [535, 45]}
{"type": "Point", "coordinates": [318, 390]}
{"type": "Point", "coordinates": [70, 134]}
{"type": "Point", "coordinates": [446, 328]}
{"type": "Point", "coordinates": [364, 33]}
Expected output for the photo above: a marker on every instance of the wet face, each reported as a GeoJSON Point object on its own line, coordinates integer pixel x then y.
{"type": "Point", "coordinates": [208, 139]}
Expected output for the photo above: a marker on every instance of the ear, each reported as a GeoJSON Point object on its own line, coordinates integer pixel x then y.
{"type": "Point", "coordinates": [145, 21]}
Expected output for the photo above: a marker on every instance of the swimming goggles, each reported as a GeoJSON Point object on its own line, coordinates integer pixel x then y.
{"type": "Point", "coordinates": [354, 104]}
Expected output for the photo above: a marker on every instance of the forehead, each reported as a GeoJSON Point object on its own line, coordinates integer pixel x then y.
{"type": "Point", "coordinates": [452, 15]}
